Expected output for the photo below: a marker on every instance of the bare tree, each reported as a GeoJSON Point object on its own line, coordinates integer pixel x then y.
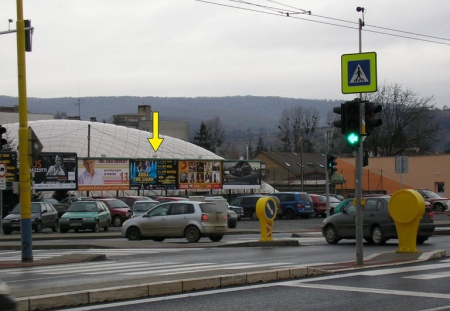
{"type": "Point", "coordinates": [217, 132]}
{"type": "Point", "coordinates": [298, 126]}
{"type": "Point", "coordinates": [408, 125]}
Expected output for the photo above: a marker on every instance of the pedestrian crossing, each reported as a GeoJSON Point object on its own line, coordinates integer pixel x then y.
{"type": "Point", "coordinates": [45, 254]}
{"type": "Point", "coordinates": [138, 268]}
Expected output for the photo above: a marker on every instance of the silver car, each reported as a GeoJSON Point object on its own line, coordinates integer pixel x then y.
{"type": "Point", "coordinates": [141, 207]}
{"type": "Point", "coordinates": [177, 219]}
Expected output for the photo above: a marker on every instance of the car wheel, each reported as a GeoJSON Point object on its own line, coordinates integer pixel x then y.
{"type": "Point", "coordinates": [439, 207]}
{"type": "Point", "coordinates": [232, 225]}
{"type": "Point", "coordinates": [158, 239]}
{"type": "Point", "coordinates": [377, 236]}
{"type": "Point", "coordinates": [253, 216]}
{"type": "Point", "coordinates": [117, 221]}
{"type": "Point", "coordinates": [38, 227]}
{"type": "Point", "coordinates": [96, 228]}
{"type": "Point", "coordinates": [289, 214]}
{"type": "Point", "coordinates": [56, 226]}
{"type": "Point", "coordinates": [330, 235]}
{"type": "Point", "coordinates": [106, 227]}
{"type": "Point", "coordinates": [133, 234]}
{"type": "Point", "coordinates": [216, 237]}
{"type": "Point", "coordinates": [192, 234]}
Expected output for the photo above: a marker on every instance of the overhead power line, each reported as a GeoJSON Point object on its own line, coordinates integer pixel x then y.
{"type": "Point", "coordinates": [295, 12]}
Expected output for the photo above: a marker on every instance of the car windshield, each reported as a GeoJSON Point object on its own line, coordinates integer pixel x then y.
{"type": "Point", "coordinates": [83, 207]}
{"type": "Point", "coordinates": [333, 199]}
{"type": "Point", "coordinates": [35, 208]}
{"type": "Point", "coordinates": [117, 204]}
{"type": "Point", "coordinates": [431, 194]}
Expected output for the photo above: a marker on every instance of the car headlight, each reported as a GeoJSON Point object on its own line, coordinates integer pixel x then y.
{"type": "Point", "coordinates": [6, 220]}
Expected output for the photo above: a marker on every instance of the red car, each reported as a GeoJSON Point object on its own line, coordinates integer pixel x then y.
{"type": "Point", "coordinates": [119, 210]}
{"type": "Point", "coordinates": [320, 205]}
{"type": "Point", "coordinates": [438, 203]}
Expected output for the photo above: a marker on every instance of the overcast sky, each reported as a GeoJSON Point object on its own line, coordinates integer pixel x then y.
{"type": "Point", "coordinates": [188, 48]}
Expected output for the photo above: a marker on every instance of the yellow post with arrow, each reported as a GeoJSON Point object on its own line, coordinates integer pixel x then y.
{"type": "Point", "coordinates": [155, 141]}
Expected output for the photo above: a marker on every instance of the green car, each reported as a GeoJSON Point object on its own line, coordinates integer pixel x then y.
{"type": "Point", "coordinates": [82, 215]}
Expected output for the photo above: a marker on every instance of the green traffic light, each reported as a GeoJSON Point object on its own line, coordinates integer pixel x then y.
{"type": "Point", "coordinates": [352, 139]}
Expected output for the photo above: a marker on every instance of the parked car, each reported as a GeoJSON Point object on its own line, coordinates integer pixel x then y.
{"type": "Point", "coordinates": [294, 204]}
{"type": "Point", "coordinates": [378, 226]}
{"type": "Point", "coordinates": [82, 215]}
{"type": "Point", "coordinates": [232, 219]}
{"type": "Point", "coordinates": [119, 210]}
{"type": "Point", "coordinates": [60, 207]}
{"type": "Point", "coordinates": [334, 195]}
{"type": "Point", "coordinates": [7, 302]}
{"type": "Point", "coordinates": [43, 215]}
{"type": "Point", "coordinates": [438, 203]}
{"type": "Point", "coordinates": [238, 210]}
{"type": "Point", "coordinates": [178, 219]}
{"type": "Point", "coordinates": [141, 207]}
{"type": "Point", "coordinates": [69, 200]}
{"type": "Point", "coordinates": [248, 204]}
{"type": "Point", "coordinates": [130, 199]}
{"type": "Point", "coordinates": [319, 205]}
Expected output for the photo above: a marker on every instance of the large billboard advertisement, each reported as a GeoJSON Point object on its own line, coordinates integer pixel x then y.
{"type": "Point", "coordinates": [200, 174]}
{"type": "Point", "coordinates": [241, 174]}
{"type": "Point", "coordinates": [10, 159]}
{"type": "Point", "coordinates": [96, 174]}
{"type": "Point", "coordinates": [55, 171]}
{"type": "Point", "coordinates": [148, 174]}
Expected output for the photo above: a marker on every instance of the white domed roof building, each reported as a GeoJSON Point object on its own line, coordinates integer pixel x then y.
{"type": "Point", "coordinates": [106, 140]}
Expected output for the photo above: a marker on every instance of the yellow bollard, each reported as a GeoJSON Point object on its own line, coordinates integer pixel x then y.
{"type": "Point", "coordinates": [266, 210]}
{"type": "Point", "coordinates": [406, 208]}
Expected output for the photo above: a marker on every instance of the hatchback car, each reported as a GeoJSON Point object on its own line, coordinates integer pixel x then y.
{"type": "Point", "coordinates": [438, 203]}
{"type": "Point", "coordinates": [378, 226]}
{"type": "Point", "coordinates": [82, 215]}
{"type": "Point", "coordinates": [141, 207]}
{"type": "Point", "coordinates": [43, 215]}
{"type": "Point", "coordinates": [189, 219]}
{"type": "Point", "coordinates": [294, 204]}
{"type": "Point", "coordinates": [319, 205]}
{"type": "Point", "coordinates": [119, 210]}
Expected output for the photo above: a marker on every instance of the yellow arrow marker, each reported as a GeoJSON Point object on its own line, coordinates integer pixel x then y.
{"type": "Point", "coordinates": [155, 141]}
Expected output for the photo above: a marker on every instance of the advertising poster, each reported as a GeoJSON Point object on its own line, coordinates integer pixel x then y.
{"type": "Point", "coordinates": [10, 159]}
{"type": "Point", "coordinates": [55, 171]}
{"type": "Point", "coordinates": [147, 174]}
{"type": "Point", "coordinates": [97, 174]}
{"type": "Point", "coordinates": [200, 174]}
{"type": "Point", "coordinates": [241, 174]}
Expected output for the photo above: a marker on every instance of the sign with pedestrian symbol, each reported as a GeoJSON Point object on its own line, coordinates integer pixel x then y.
{"type": "Point", "coordinates": [3, 172]}
{"type": "Point", "coordinates": [359, 73]}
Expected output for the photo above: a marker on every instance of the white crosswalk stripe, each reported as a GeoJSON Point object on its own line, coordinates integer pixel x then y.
{"type": "Point", "coordinates": [43, 254]}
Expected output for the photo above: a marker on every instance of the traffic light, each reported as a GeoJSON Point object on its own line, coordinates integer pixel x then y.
{"type": "Point", "coordinates": [340, 123]}
{"type": "Point", "coordinates": [2, 140]}
{"type": "Point", "coordinates": [352, 123]}
{"type": "Point", "coordinates": [331, 164]}
{"type": "Point", "coordinates": [370, 118]}
{"type": "Point", "coordinates": [28, 35]}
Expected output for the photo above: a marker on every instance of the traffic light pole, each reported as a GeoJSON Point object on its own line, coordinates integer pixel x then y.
{"type": "Point", "coordinates": [358, 181]}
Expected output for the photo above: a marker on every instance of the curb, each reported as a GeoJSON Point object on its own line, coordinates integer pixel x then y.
{"type": "Point", "coordinates": [72, 299]}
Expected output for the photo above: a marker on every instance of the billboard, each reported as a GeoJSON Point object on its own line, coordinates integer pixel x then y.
{"type": "Point", "coordinates": [97, 174]}
{"type": "Point", "coordinates": [10, 159]}
{"type": "Point", "coordinates": [147, 174]}
{"type": "Point", "coordinates": [200, 174]}
{"type": "Point", "coordinates": [55, 171]}
{"type": "Point", "coordinates": [241, 174]}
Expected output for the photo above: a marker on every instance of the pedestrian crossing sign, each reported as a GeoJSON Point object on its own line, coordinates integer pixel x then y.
{"type": "Point", "coordinates": [359, 73]}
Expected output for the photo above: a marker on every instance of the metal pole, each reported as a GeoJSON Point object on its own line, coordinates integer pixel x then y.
{"type": "Point", "coordinates": [327, 175]}
{"type": "Point", "coordinates": [358, 185]}
{"type": "Point", "coordinates": [24, 152]}
{"type": "Point", "coordinates": [301, 160]}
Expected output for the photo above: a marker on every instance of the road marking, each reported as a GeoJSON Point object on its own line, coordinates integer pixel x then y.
{"type": "Point", "coordinates": [368, 290]}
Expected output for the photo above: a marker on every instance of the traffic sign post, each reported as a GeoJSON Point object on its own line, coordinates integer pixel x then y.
{"type": "Point", "coordinates": [359, 73]}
